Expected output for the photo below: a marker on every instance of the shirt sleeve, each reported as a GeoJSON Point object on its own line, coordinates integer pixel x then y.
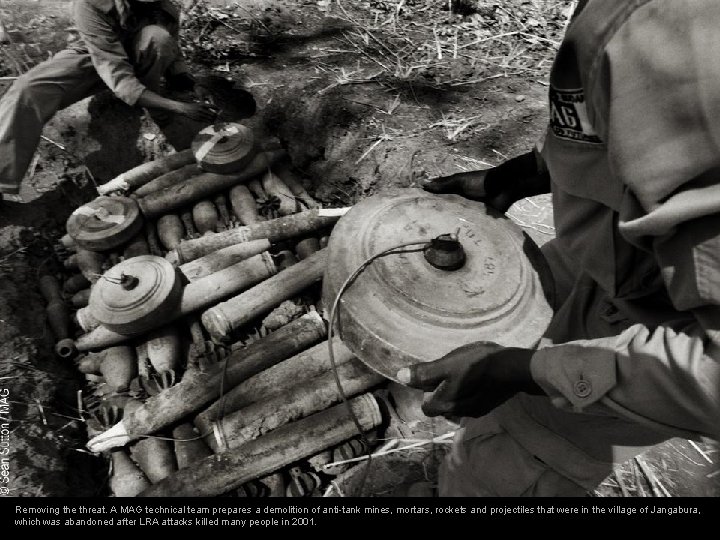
{"type": "Point", "coordinates": [662, 377]}
{"type": "Point", "coordinates": [107, 52]}
{"type": "Point", "coordinates": [656, 95]}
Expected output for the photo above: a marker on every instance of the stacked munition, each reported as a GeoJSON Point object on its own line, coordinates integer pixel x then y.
{"type": "Point", "coordinates": [169, 284]}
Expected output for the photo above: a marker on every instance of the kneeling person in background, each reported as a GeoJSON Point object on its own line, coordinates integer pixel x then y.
{"type": "Point", "coordinates": [127, 46]}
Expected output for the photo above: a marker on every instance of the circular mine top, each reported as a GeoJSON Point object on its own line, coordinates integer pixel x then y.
{"type": "Point", "coordinates": [403, 310]}
{"type": "Point", "coordinates": [105, 223]}
{"type": "Point", "coordinates": [224, 148]}
{"type": "Point", "coordinates": [136, 295]}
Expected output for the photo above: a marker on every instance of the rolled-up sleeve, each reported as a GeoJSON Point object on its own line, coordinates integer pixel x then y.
{"type": "Point", "coordinates": [656, 96]}
{"type": "Point", "coordinates": [577, 374]}
{"type": "Point", "coordinates": [107, 52]}
{"type": "Point", "coordinates": [666, 378]}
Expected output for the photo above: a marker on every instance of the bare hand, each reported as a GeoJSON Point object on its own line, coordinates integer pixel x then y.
{"type": "Point", "coordinates": [472, 380]}
{"type": "Point", "coordinates": [204, 94]}
{"type": "Point", "coordinates": [200, 112]}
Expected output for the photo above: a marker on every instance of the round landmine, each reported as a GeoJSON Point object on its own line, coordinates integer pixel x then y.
{"type": "Point", "coordinates": [224, 148]}
{"type": "Point", "coordinates": [136, 295]}
{"type": "Point", "coordinates": [480, 279]}
{"type": "Point", "coordinates": [105, 223]}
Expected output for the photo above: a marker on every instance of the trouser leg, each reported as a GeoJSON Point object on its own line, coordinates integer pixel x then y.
{"type": "Point", "coordinates": [31, 101]}
{"type": "Point", "coordinates": [486, 461]}
{"type": "Point", "coordinates": [527, 447]}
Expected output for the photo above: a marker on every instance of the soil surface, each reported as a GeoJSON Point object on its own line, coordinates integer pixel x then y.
{"type": "Point", "coordinates": [363, 97]}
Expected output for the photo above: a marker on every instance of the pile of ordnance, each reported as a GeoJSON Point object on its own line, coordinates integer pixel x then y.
{"type": "Point", "coordinates": [191, 302]}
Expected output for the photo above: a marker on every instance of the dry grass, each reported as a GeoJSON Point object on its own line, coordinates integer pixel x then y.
{"type": "Point", "coordinates": [424, 43]}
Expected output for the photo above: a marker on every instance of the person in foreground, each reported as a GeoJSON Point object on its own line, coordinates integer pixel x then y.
{"type": "Point", "coordinates": [127, 46]}
{"type": "Point", "coordinates": [632, 355]}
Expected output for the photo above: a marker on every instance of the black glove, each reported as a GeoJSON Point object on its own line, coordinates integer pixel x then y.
{"type": "Point", "coordinates": [498, 187]}
{"type": "Point", "coordinates": [472, 380]}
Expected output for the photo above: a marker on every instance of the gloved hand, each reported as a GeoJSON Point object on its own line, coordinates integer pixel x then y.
{"type": "Point", "coordinates": [498, 187]}
{"type": "Point", "coordinates": [472, 380]}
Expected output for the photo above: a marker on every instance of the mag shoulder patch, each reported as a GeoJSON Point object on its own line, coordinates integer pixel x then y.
{"type": "Point", "coordinates": [568, 116]}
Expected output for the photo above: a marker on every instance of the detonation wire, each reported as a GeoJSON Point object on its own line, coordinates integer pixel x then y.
{"type": "Point", "coordinates": [331, 325]}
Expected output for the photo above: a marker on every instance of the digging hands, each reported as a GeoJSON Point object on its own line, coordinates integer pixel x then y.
{"type": "Point", "coordinates": [204, 94]}
{"type": "Point", "coordinates": [202, 91]}
{"type": "Point", "coordinates": [472, 380]}
{"type": "Point", "coordinates": [186, 84]}
{"type": "Point", "coordinates": [201, 112]}
{"type": "Point", "coordinates": [202, 107]}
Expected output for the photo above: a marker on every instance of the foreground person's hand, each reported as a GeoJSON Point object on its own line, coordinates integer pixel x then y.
{"type": "Point", "coordinates": [472, 380]}
{"type": "Point", "coordinates": [468, 184]}
{"type": "Point", "coordinates": [498, 187]}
